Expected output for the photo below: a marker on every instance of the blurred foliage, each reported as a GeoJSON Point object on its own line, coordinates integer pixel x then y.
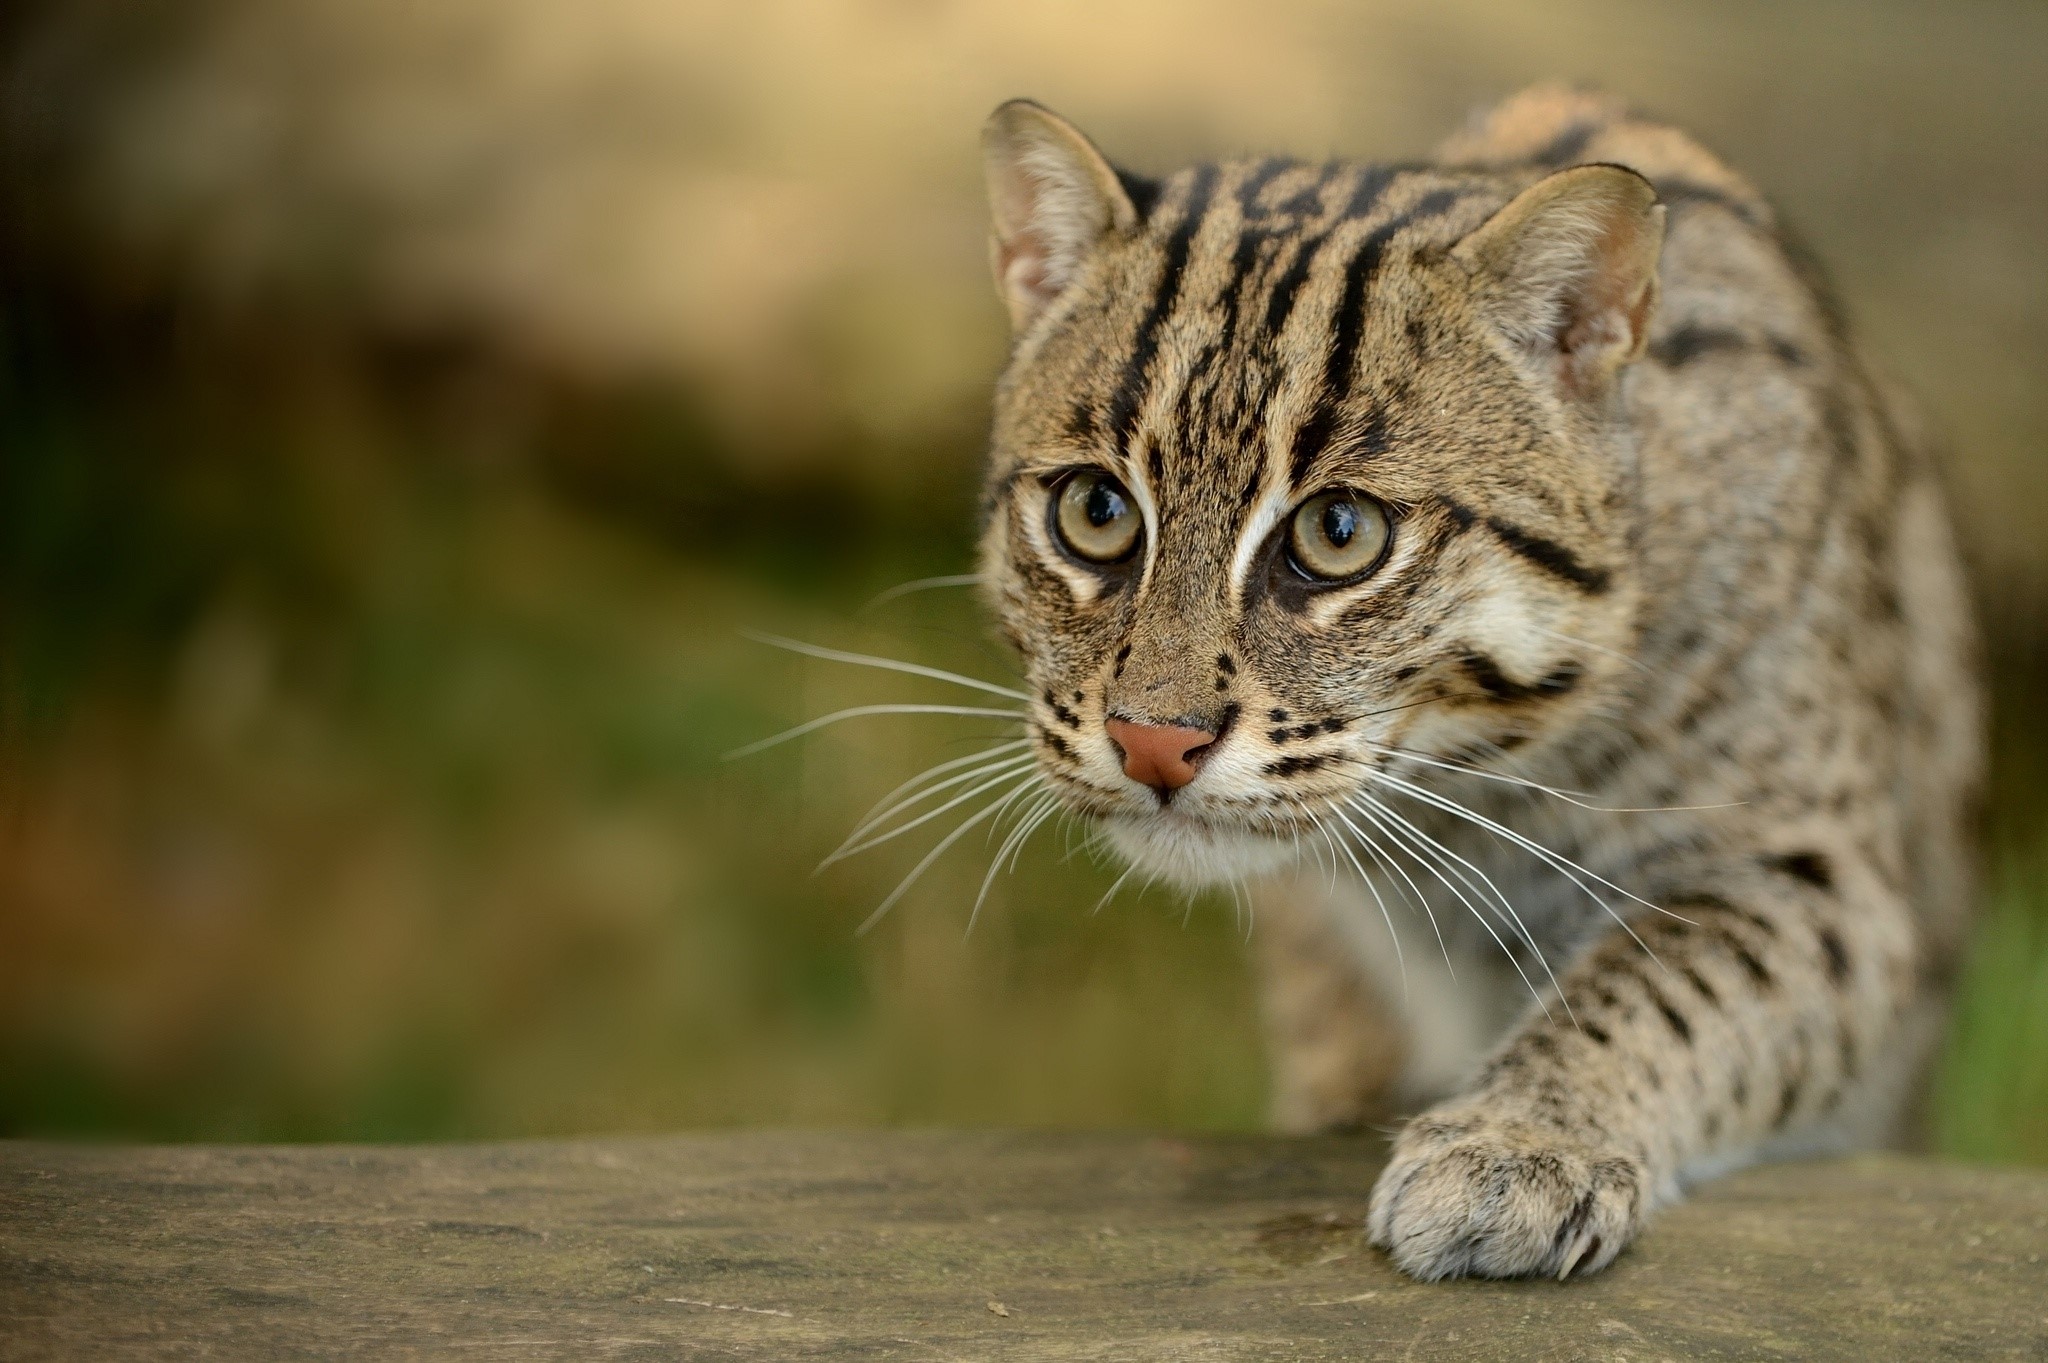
{"type": "Point", "coordinates": [403, 412]}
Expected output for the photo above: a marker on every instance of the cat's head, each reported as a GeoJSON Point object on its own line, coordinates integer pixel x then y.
{"type": "Point", "coordinates": [1297, 469]}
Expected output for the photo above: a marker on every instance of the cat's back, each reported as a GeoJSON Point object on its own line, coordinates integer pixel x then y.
{"type": "Point", "coordinates": [1806, 611]}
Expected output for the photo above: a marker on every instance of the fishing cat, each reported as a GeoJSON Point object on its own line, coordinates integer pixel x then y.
{"type": "Point", "coordinates": [1507, 562]}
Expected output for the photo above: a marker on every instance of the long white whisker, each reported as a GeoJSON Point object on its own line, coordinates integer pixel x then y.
{"type": "Point", "coordinates": [1340, 845]}
{"type": "Point", "coordinates": [1011, 770]}
{"type": "Point", "coordinates": [904, 885]}
{"type": "Point", "coordinates": [1317, 824]}
{"type": "Point", "coordinates": [875, 814]}
{"type": "Point", "coordinates": [1396, 822]}
{"type": "Point", "coordinates": [1571, 869]}
{"type": "Point", "coordinates": [835, 655]}
{"type": "Point", "coordinates": [1413, 837]}
{"type": "Point", "coordinates": [1557, 859]}
{"type": "Point", "coordinates": [856, 711]}
{"type": "Point", "coordinates": [1026, 825]}
{"type": "Point", "coordinates": [860, 840]}
{"type": "Point", "coordinates": [1053, 807]}
{"type": "Point", "coordinates": [1570, 797]}
{"type": "Point", "coordinates": [919, 584]}
{"type": "Point", "coordinates": [1381, 857]}
{"type": "Point", "coordinates": [1114, 886]}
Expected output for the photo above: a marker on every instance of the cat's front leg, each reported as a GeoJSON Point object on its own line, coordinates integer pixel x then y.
{"type": "Point", "coordinates": [1760, 1013]}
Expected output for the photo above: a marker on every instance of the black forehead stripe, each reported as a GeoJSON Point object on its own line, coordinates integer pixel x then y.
{"type": "Point", "coordinates": [1348, 329]}
{"type": "Point", "coordinates": [1130, 392]}
{"type": "Point", "coordinates": [1255, 183]}
{"type": "Point", "coordinates": [1142, 191]}
{"type": "Point", "coordinates": [1244, 258]}
{"type": "Point", "coordinates": [1372, 182]}
{"type": "Point", "coordinates": [1309, 198]}
{"type": "Point", "coordinates": [1550, 556]}
{"type": "Point", "coordinates": [1250, 490]}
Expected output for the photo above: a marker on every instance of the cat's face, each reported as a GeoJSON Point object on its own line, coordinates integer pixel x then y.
{"type": "Point", "coordinates": [1303, 477]}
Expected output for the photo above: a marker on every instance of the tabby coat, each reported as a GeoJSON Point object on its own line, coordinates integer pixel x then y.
{"type": "Point", "coordinates": [1621, 808]}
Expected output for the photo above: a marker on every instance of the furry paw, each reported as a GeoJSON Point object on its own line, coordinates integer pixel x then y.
{"type": "Point", "coordinates": [1494, 1198]}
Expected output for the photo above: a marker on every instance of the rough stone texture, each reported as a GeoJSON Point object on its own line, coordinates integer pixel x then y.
{"type": "Point", "coordinates": [959, 1246]}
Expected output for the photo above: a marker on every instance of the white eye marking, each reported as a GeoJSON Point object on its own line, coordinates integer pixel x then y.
{"type": "Point", "coordinates": [1266, 514]}
{"type": "Point", "coordinates": [1141, 493]}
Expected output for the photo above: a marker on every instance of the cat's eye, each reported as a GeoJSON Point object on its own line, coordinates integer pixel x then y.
{"type": "Point", "coordinates": [1095, 519]}
{"type": "Point", "coordinates": [1338, 535]}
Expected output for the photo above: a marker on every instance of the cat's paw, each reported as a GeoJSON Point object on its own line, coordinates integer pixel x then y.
{"type": "Point", "coordinates": [1465, 1194]}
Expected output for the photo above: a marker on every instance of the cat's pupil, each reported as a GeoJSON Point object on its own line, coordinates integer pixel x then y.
{"type": "Point", "coordinates": [1340, 523]}
{"type": "Point", "coordinates": [1103, 505]}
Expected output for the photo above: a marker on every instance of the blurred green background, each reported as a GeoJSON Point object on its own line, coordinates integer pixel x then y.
{"type": "Point", "coordinates": [404, 408]}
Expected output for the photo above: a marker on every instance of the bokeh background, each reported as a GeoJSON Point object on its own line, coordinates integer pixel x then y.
{"type": "Point", "coordinates": [404, 407]}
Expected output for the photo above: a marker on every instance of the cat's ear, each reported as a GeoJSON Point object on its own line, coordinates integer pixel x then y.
{"type": "Point", "coordinates": [1053, 199]}
{"type": "Point", "coordinates": [1568, 271]}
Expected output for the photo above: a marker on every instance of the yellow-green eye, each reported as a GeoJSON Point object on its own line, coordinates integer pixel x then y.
{"type": "Point", "coordinates": [1095, 518]}
{"type": "Point", "coordinates": [1339, 535]}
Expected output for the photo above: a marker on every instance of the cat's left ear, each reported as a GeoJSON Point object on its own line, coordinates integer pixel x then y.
{"type": "Point", "coordinates": [1568, 271]}
{"type": "Point", "coordinates": [1054, 198]}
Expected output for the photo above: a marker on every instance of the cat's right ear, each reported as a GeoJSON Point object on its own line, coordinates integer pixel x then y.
{"type": "Point", "coordinates": [1053, 199]}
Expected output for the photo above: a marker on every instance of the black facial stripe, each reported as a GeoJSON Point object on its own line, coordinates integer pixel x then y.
{"type": "Point", "coordinates": [1295, 766]}
{"type": "Point", "coordinates": [1333, 725]}
{"type": "Point", "coordinates": [1487, 676]}
{"type": "Point", "coordinates": [1061, 712]}
{"type": "Point", "coordinates": [1131, 388]}
{"type": "Point", "coordinates": [1550, 556]}
{"type": "Point", "coordinates": [1811, 867]}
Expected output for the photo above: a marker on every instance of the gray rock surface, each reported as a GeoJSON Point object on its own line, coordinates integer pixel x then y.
{"type": "Point", "coordinates": [971, 1246]}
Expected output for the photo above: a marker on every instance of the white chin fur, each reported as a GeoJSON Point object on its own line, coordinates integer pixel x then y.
{"type": "Point", "coordinates": [1193, 856]}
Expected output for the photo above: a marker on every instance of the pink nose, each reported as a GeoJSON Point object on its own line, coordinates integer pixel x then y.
{"type": "Point", "coordinates": [1162, 756]}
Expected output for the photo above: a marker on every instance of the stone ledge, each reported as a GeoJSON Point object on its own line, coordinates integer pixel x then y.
{"type": "Point", "coordinates": [979, 1245]}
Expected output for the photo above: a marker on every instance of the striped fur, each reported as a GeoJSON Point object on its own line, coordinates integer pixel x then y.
{"type": "Point", "coordinates": [1715, 581]}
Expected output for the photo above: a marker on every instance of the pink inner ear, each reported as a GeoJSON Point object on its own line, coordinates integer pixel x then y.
{"type": "Point", "coordinates": [1604, 323]}
{"type": "Point", "coordinates": [1025, 264]}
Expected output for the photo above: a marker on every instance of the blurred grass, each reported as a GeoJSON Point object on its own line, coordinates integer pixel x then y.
{"type": "Point", "coordinates": [372, 571]}
{"type": "Point", "coordinates": [351, 792]}
{"type": "Point", "coordinates": [1992, 1101]}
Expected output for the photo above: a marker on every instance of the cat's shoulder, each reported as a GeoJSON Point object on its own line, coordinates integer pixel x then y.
{"type": "Point", "coordinates": [1555, 126]}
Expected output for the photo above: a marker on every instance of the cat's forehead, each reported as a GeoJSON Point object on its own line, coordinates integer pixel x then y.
{"type": "Point", "coordinates": [1240, 335]}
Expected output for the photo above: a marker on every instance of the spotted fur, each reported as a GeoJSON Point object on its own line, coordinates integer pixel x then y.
{"type": "Point", "coordinates": [1659, 541]}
